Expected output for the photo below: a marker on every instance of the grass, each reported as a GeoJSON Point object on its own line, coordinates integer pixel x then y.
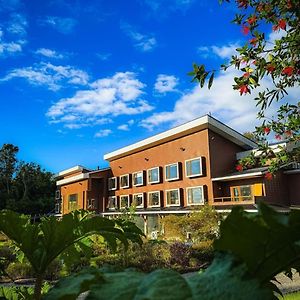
{"type": "Point", "coordinates": [292, 296]}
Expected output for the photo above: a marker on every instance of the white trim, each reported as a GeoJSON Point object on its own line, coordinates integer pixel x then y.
{"type": "Point", "coordinates": [110, 178]}
{"type": "Point", "coordinates": [138, 194]}
{"type": "Point", "coordinates": [187, 195]}
{"type": "Point", "coordinates": [120, 200]}
{"type": "Point", "coordinates": [74, 169]}
{"type": "Point", "coordinates": [139, 184]}
{"type": "Point", "coordinates": [152, 212]}
{"type": "Point", "coordinates": [198, 124]}
{"type": "Point", "coordinates": [116, 203]}
{"type": "Point", "coordinates": [166, 193]}
{"type": "Point", "coordinates": [153, 182]}
{"type": "Point", "coordinates": [126, 186]}
{"type": "Point", "coordinates": [159, 203]}
{"type": "Point", "coordinates": [193, 175]}
{"type": "Point", "coordinates": [244, 176]}
{"type": "Point", "coordinates": [171, 179]}
{"type": "Point", "coordinates": [73, 178]}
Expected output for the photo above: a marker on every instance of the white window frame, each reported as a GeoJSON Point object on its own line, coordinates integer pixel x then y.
{"type": "Point", "coordinates": [138, 194]}
{"type": "Point", "coordinates": [57, 194]}
{"type": "Point", "coordinates": [139, 184]}
{"type": "Point", "coordinates": [201, 169]}
{"type": "Point", "coordinates": [187, 195]}
{"type": "Point", "coordinates": [148, 172]}
{"type": "Point", "coordinates": [127, 186]}
{"type": "Point", "coordinates": [148, 198]}
{"type": "Point", "coordinates": [166, 193]}
{"type": "Point", "coordinates": [91, 203]}
{"type": "Point", "coordinates": [120, 200]}
{"type": "Point", "coordinates": [114, 188]}
{"type": "Point", "coordinates": [171, 179]}
{"type": "Point", "coordinates": [116, 203]}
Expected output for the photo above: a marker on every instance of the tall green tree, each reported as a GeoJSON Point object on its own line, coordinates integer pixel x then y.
{"type": "Point", "coordinates": [8, 162]}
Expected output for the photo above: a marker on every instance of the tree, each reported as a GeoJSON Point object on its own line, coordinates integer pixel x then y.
{"type": "Point", "coordinates": [8, 163]}
{"type": "Point", "coordinates": [275, 60]}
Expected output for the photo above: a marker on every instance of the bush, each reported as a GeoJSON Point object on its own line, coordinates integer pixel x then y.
{"type": "Point", "coordinates": [203, 252]}
{"type": "Point", "coordinates": [17, 270]}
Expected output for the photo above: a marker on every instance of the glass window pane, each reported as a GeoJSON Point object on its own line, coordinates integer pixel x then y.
{"type": "Point", "coordinates": [173, 197]}
{"type": "Point", "coordinates": [153, 175]}
{"type": "Point", "coordinates": [172, 172]}
{"type": "Point", "coordinates": [154, 199]}
{"type": "Point", "coordinates": [195, 196]}
{"type": "Point", "coordinates": [193, 167]}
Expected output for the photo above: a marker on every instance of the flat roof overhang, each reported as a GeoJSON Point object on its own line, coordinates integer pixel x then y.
{"type": "Point", "coordinates": [72, 179]}
{"type": "Point", "coordinates": [205, 122]}
{"type": "Point", "coordinates": [237, 177]}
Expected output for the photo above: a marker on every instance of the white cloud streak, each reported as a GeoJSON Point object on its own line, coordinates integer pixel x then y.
{"type": "Point", "coordinates": [165, 83]}
{"type": "Point", "coordinates": [62, 25]}
{"type": "Point", "coordinates": [49, 53]}
{"type": "Point", "coordinates": [103, 133]}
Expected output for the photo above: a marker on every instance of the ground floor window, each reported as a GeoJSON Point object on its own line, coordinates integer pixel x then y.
{"type": "Point", "coordinates": [138, 200]}
{"type": "Point", "coordinates": [112, 203]}
{"type": "Point", "coordinates": [124, 201]}
{"type": "Point", "coordinates": [173, 197]}
{"type": "Point", "coordinates": [154, 199]}
{"type": "Point", "coordinates": [73, 199]}
{"type": "Point", "coordinates": [241, 193]}
{"type": "Point", "coordinates": [91, 203]}
{"type": "Point", "coordinates": [195, 195]}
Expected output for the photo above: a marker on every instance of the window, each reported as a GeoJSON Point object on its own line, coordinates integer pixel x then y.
{"type": "Point", "coordinates": [124, 181]}
{"type": "Point", "coordinates": [124, 201]}
{"type": "Point", "coordinates": [138, 178]}
{"type": "Point", "coordinates": [112, 183]}
{"type": "Point", "coordinates": [241, 193]}
{"type": "Point", "coordinates": [91, 203]}
{"type": "Point", "coordinates": [138, 200]}
{"type": "Point", "coordinates": [193, 167]}
{"type": "Point", "coordinates": [195, 195]}
{"type": "Point", "coordinates": [112, 203]}
{"type": "Point", "coordinates": [58, 207]}
{"type": "Point", "coordinates": [154, 199]}
{"type": "Point", "coordinates": [153, 175]}
{"type": "Point", "coordinates": [172, 172]}
{"type": "Point", "coordinates": [73, 202]}
{"type": "Point", "coordinates": [173, 197]}
{"type": "Point", "coordinates": [57, 194]}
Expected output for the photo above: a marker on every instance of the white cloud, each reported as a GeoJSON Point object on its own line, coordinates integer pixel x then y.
{"type": "Point", "coordinates": [62, 25]}
{"type": "Point", "coordinates": [102, 133]}
{"type": "Point", "coordinates": [49, 53]}
{"type": "Point", "coordinates": [165, 6]}
{"type": "Point", "coordinates": [49, 75]}
{"type": "Point", "coordinates": [221, 101]}
{"type": "Point", "coordinates": [124, 127]}
{"type": "Point", "coordinates": [17, 25]}
{"type": "Point", "coordinates": [223, 51]}
{"type": "Point", "coordinates": [120, 94]}
{"type": "Point", "coordinates": [142, 42]}
{"type": "Point", "coordinates": [165, 83]}
{"type": "Point", "coordinates": [103, 56]}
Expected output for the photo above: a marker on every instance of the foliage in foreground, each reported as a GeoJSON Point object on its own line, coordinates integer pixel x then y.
{"type": "Point", "coordinates": [251, 250]}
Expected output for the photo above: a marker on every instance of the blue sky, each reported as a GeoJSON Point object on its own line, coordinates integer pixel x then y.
{"type": "Point", "coordinates": [82, 78]}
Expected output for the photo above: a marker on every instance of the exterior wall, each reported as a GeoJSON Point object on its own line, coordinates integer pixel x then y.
{"type": "Point", "coordinates": [294, 188]}
{"type": "Point", "coordinates": [179, 150]}
{"type": "Point", "coordinates": [80, 188]}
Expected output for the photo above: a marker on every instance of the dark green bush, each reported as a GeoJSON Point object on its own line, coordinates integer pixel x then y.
{"type": "Point", "coordinates": [17, 270]}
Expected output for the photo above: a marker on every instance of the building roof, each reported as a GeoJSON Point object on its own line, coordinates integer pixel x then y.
{"type": "Point", "coordinates": [71, 171]}
{"type": "Point", "coordinates": [205, 122]}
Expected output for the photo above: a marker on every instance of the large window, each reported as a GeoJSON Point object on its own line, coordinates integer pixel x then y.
{"type": "Point", "coordinates": [138, 200]}
{"type": "Point", "coordinates": [193, 167]}
{"type": "Point", "coordinates": [112, 203]}
{"type": "Point", "coordinates": [173, 197]}
{"type": "Point", "coordinates": [112, 183]}
{"type": "Point", "coordinates": [153, 175]}
{"type": "Point", "coordinates": [124, 201]}
{"type": "Point", "coordinates": [172, 172]}
{"type": "Point", "coordinates": [241, 193]}
{"type": "Point", "coordinates": [138, 178]}
{"type": "Point", "coordinates": [195, 195]}
{"type": "Point", "coordinates": [124, 181]}
{"type": "Point", "coordinates": [154, 199]}
{"type": "Point", "coordinates": [73, 198]}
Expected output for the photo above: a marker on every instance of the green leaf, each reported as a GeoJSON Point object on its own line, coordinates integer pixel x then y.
{"type": "Point", "coordinates": [211, 79]}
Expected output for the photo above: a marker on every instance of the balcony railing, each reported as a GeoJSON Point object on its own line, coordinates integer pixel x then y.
{"type": "Point", "coordinates": [238, 200]}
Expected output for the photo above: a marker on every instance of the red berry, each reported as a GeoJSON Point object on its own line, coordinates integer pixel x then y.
{"type": "Point", "coordinates": [245, 29]}
{"type": "Point", "coordinates": [244, 89]}
{"type": "Point", "coordinates": [267, 130]}
{"type": "Point", "coordinates": [239, 168]}
{"type": "Point", "coordinates": [268, 176]}
{"type": "Point", "coordinates": [288, 71]}
{"type": "Point", "coordinates": [270, 68]}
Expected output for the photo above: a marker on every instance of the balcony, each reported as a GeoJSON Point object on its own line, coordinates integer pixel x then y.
{"type": "Point", "coordinates": [236, 200]}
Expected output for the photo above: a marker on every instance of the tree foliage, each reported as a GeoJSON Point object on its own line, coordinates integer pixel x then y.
{"type": "Point", "coordinates": [274, 60]}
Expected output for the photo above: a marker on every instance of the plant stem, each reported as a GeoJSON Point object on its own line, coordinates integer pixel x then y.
{"type": "Point", "coordinates": [38, 286]}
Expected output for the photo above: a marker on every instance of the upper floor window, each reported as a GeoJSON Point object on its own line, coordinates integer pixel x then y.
{"type": "Point", "coordinates": [172, 172]}
{"type": "Point", "coordinates": [112, 183]}
{"type": "Point", "coordinates": [124, 201]}
{"type": "Point", "coordinates": [138, 200]}
{"type": "Point", "coordinates": [193, 167]}
{"type": "Point", "coordinates": [173, 197]}
{"type": "Point", "coordinates": [153, 175]}
{"type": "Point", "coordinates": [124, 181]}
{"type": "Point", "coordinates": [195, 195]}
{"type": "Point", "coordinates": [154, 199]}
{"type": "Point", "coordinates": [138, 178]}
{"type": "Point", "coordinates": [73, 198]}
{"type": "Point", "coordinates": [112, 203]}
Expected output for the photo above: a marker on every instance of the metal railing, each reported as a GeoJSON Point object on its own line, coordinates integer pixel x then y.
{"type": "Point", "coordinates": [237, 200]}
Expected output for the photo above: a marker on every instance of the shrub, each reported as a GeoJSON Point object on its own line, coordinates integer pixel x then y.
{"type": "Point", "coordinates": [17, 270]}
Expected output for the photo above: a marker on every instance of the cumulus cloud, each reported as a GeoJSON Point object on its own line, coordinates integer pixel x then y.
{"type": "Point", "coordinates": [49, 53]}
{"type": "Point", "coordinates": [120, 94]}
{"type": "Point", "coordinates": [17, 25]}
{"type": "Point", "coordinates": [49, 75]}
{"type": "Point", "coordinates": [102, 133]}
{"type": "Point", "coordinates": [223, 52]}
{"type": "Point", "coordinates": [62, 25]}
{"type": "Point", "coordinates": [142, 42]}
{"type": "Point", "coordinates": [124, 127]}
{"type": "Point", "coordinates": [165, 83]}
